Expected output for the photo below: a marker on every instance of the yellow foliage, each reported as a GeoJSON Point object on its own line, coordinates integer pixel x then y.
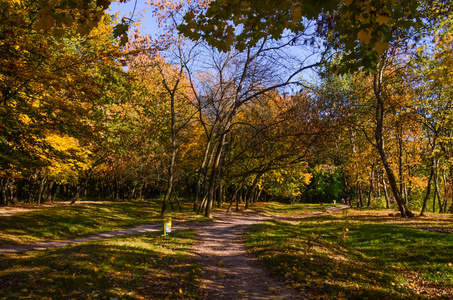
{"type": "Point", "coordinates": [381, 47]}
{"type": "Point", "coordinates": [66, 170]}
{"type": "Point", "coordinates": [364, 36]}
{"type": "Point", "coordinates": [62, 143]}
{"type": "Point", "coordinates": [382, 19]}
{"type": "Point", "coordinates": [25, 119]}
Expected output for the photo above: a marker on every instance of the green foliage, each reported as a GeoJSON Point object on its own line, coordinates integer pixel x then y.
{"type": "Point", "coordinates": [326, 185]}
{"type": "Point", "coordinates": [257, 20]}
{"type": "Point", "coordinates": [362, 29]}
{"type": "Point", "coordinates": [143, 266]}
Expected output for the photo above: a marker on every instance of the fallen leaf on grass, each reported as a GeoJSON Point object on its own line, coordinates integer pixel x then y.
{"type": "Point", "coordinates": [274, 289]}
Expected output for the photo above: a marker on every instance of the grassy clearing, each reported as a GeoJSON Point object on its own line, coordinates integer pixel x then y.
{"type": "Point", "coordinates": [283, 209]}
{"type": "Point", "coordinates": [144, 266]}
{"type": "Point", "coordinates": [360, 255]}
{"type": "Point", "coordinates": [84, 218]}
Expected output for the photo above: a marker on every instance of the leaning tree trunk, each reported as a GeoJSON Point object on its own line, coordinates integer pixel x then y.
{"type": "Point", "coordinates": [386, 194]}
{"type": "Point", "coordinates": [379, 136]}
{"type": "Point", "coordinates": [201, 173]}
{"type": "Point", "coordinates": [214, 173]}
{"type": "Point", "coordinates": [371, 192]}
{"type": "Point", "coordinates": [251, 192]}
{"type": "Point", "coordinates": [82, 186]}
{"type": "Point", "coordinates": [218, 158]}
{"type": "Point", "coordinates": [233, 198]}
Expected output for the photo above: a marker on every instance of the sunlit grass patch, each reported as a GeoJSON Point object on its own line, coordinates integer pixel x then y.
{"type": "Point", "coordinates": [277, 208]}
{"type": "Point", "coordinates": [357, 255]}
{"type": "Point", "coordinates": [146, 266]}
{"type": "Point", "coordinates": [82, 219]}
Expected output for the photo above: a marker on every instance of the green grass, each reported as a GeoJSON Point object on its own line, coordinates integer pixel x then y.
{"type": "Point", "coordinates": [67, 222]}
{"type": "Point", "coordinates": [360, 255]}
{"type": "Point", "coordinates": [143, 266]}
{"type": "Point", "coordinates": [283, 209]}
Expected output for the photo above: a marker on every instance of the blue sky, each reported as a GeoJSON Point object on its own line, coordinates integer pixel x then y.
{"type": "Point", "coordinates": [148, 24]}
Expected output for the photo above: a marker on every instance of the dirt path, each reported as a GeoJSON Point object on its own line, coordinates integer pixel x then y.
{"type": "Point", "coordinates": [229, 272]}
{"type": "Point", "coordinates": [98, 236]}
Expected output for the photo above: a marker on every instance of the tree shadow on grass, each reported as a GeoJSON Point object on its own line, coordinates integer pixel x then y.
{"type": "Point", "coordinates": [128, 267]}
{"type": "Point", "coordinates": [371, 262]}
{"type": "Point", "coordinates": [66, 222]}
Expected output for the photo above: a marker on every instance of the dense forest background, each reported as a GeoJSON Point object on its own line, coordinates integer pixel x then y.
{"type": "Point", "coordinates": [228, 101]}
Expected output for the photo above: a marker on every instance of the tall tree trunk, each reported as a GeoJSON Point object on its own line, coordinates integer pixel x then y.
{"type": "Point", "coordinates": [251, 192]}
{"type": "Point", "coordinates": [451, 186]}
{"type": "Point", "coordinates": [436, 189]}
{"type": "Point", "coordinates": [50, 191]}
{"type": "Point", "coordinates": [214, 173]}
{"type": "Point", "coordinates": [41, 190]}
{"type": "Point", "coordinates": [400, 159]}
{"type": "Point", "coordinates": [220, 189]}
{"type": "Point", "coordinates": [45, 192]}
{"type": "Point", "coordinates": [406, 197]}
{"type": "Point", "coordinates": [4, 195]}
{"type": "Point", "coordinates": [202, 206]}
{"type": "Point", "coordinates": [379, 136]}
{"type": "Point", "coordinates": [171, 167]}
{"type": "Point", "coordinates": [177, 201]}
{"type": "Point", "coordinates": [258, 194]}
{"type": "Point", "coordinates": [140, 192]}
{"type": "Point", "coordinates": [386, 194]}
{"type": "Point", "coordinates": [236, 190]}
{"type": "Point", "coordinates": [206, 181]}
{"type": "Point", "coordinates": [434, 199]}
{"type": "Point", "coordinates": [83, 186]}
{"type": "Point", "coordinates": [371, 186]}
{"type": "Point", "coordinates": [428, 191]}
{"type": "Point", "coordinates": [378, 187]}
{"type": "Point", "coordinates": [359, 194]}
{"type": "Point", "coordinates": [239, 199]}
{"type": "Point", "coordinates": [444, 200]}
{"type": "Point", "coordinates": [352, 137]}
{"type": "Point", "coordinates": [201, 173]}
{"type": "Point", "coordinates": [15, 192]}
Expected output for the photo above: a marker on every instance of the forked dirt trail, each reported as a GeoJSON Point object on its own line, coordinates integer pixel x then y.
{"type": "Point", "coordinates": [229, 272]}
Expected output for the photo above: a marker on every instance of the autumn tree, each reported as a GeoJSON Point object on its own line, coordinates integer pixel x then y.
{"type": "Point", "coordinates": [429, 75]}
{"type": "Point", "coordinates": [51, 84]}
